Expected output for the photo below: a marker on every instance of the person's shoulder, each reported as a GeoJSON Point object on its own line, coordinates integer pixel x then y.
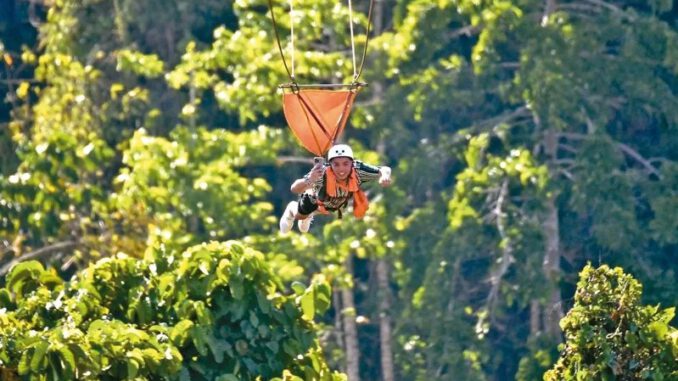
{"type": "Point", "coordinates": [360, 163]}
{"type": "Point", "coordinates": [366, 170]}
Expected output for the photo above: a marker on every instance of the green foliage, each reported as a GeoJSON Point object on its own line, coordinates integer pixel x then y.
{"type": "Point", "coordinates": [142, 64]}
{"type": "Point", "coordinates": [212, 311]}
{"type": "Point", "coordinates": [514, 129]}
{"type": "Point", "coordinates": [189, 189]}
{"type": "Point", "coordinates": [61, 168]}
{"type": "Point", "coordinates": [663, 200]}
{"type": "Point", "coordinates": [488, 172]}
{"type": "Point", "coordinates": [250, 55]}
{"type": "Point", "coordinates": [611, 335]}
{"type": "Point", "coordinates": [555, 108]}
{"type": "Point", "coordinates": [533, 366]}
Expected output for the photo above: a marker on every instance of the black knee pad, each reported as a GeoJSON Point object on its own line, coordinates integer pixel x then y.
{"type": "Point", "coordinates": [307, 204]}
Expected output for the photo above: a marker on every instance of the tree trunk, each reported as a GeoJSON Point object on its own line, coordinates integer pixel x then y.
{"type": "Point", "coordinates": [535, 318]}
{"type": "Point", "coordinates": [350, 328]}
{"type": "Point", "coordinates": [120, 23]}
{"type": "Point", "coordinates": [549, 7]}
{"type": "Point", "coordinates": [551, 265]}
{"type": "Point", "coordinates": [553, 311]}
{"type": "Point", "coordinates": [384, 292]}
{"type": "Point", "coordinates": [552, 308]}
{"type": "Point", "coordinates": [338, 326]}
{"type": "Point", "coordinates": [8, 374]}
{"type": "Point", "coordinates": [385, 320]}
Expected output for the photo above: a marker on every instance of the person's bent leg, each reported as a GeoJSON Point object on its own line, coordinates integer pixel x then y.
{"type": "Point", "coordinates": [288, 217]}
{"type": "Point", "coordinates": [304, 224]}
{"type": "Point", "coordinates": [306, 209]}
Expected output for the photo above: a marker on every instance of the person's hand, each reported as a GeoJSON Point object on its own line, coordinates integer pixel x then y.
{"type": "Point", "coordinates": [385, 179]}
{"type": "Point", "coordinates": [316, 172]}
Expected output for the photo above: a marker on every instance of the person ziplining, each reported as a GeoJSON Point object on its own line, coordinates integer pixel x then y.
{"type": "Point", "coordinates": [317, 115]}
{"type": "Point", "coordinates": [329, 188]}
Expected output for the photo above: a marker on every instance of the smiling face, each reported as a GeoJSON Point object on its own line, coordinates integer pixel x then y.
{"type": "Point", "coordinates": [342, 167]}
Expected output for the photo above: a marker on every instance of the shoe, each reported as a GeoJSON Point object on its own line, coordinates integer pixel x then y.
{"type": "Point", "coordinates": [287, 219]}
{"type": "Point", "coordinates": [305, 224]}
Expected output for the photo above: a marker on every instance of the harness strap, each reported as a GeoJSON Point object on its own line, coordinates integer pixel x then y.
{"type": "Point", "coordinates": [322, 192]}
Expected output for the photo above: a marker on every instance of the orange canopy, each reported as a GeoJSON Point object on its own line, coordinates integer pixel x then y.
{"type": "Point", "coordinates": [317, 116]}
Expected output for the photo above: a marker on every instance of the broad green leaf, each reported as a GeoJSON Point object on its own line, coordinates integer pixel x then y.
{"type": "Point", "coordinates": [39, 358]}
{"type": "Point", "coordinates": [181, 332]}
{"type": "Point", "coordinates": [227, 377]}
{"type": "Point", "coordinates": [308, 305]}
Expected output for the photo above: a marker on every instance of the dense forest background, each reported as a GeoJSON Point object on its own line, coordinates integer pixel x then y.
{"type": "Point", "coordinates": [528, 138]}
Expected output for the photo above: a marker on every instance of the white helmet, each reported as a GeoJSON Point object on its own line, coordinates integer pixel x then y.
{"type": "Point", "coordinates": [340, 150]}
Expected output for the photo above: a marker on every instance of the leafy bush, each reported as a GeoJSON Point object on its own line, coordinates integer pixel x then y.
{"type": "Point", "coordinates": [610, 335]}
{"type": "Point", "coordinates": [214, 312]}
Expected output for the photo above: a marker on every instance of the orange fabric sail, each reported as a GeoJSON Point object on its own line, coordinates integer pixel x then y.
{"type": "Point", "coordinates": [317, 117]}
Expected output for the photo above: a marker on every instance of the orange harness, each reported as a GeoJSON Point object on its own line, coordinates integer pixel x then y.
{"type": "Point", "coordinates": [360, 202]}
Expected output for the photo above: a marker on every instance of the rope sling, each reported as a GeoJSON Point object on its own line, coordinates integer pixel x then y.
{"type": "Point", "coordinates": [317, 113]}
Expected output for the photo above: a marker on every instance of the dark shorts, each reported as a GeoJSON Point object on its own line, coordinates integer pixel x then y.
{"type": "Point", "coordinates": [307, 204]}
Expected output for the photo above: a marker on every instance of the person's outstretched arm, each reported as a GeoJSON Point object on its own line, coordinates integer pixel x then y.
{"type": "Point", "coordinates": [368, 172]}
{"type": "Point", "coordinates": [307, 182]}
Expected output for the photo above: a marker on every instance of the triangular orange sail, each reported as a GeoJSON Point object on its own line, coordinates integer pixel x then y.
{"type": "Point", "coordinates": [317, 116]}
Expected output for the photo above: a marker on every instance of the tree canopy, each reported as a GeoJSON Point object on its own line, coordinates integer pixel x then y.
{"type": "Point", "coordinates": [609, 334]}
{"type": "Point", "coordinates": [212, 312]}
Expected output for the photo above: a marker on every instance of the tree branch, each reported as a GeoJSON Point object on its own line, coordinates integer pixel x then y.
{"type": "Point", "coordinates": [507, 252]}
{"type": "Point", "coordinates": [634, 154]}
{"type": "Point", "coordinates": [607, 6]}
{"type": "Point", "coordinates": [294, 159]}
{"type": "Point", "coordinates": [573, 136]}
{"type": "Point", "coordinates": [566, 173]}
{"type": "Point", "coordinates": [370, 102]}
{"type": "Point", "coordinates": [467, 31]}
{"type": "Point", "coordinates": [18, 81]}
{"type": "Point", "coordinates": [510, 65]}
{"type": "Point", "coordinates": [44, 251]}
{"type": "Point", "coordinates": [565, 161]}
{"type": "Point", "coordinates": [623, 147]}
{"type": "Point", "coordinates": [567, 148]}
{"type": "Point", "coordinates": [503, 118]}
{"type": "Point", "coordinates": [585, 8]}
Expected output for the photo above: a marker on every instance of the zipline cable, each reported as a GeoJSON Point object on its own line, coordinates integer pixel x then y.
{"type": "Point", "coordinates": [367, 40]}
{"type": "Point", "coordinates": [291, 73]}
{"type": "Point", "coordinates": [350, 23]}
{"type": "Point", "coordinates": [292, 33]}
{"type": "Point", "coordinates": [277, 38]}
